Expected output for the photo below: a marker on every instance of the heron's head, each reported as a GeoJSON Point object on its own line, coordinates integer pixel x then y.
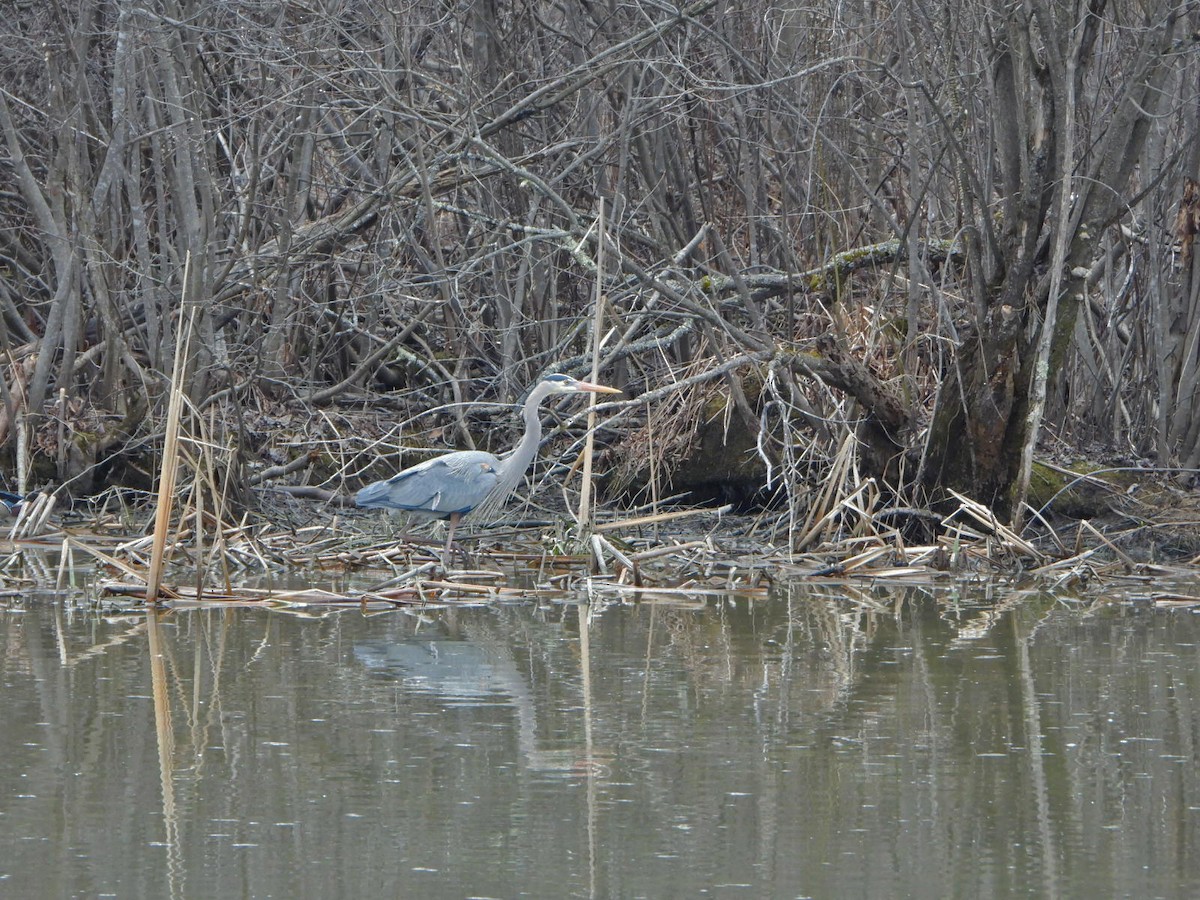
{"type": "Point", "coordinates": [565, 384]}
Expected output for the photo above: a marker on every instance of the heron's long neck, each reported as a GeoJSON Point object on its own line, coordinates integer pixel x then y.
{"type": "Point", "coordinates": [514, 466]}
{"type": "Point", "coordinates": [527, 449]}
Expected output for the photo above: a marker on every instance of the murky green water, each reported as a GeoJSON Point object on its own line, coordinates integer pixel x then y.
{"type": "Point", "coordinates": [797, 747]}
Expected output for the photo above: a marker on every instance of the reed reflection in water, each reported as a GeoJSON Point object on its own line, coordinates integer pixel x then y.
{"type": "Point", "coordinates": [819, 743]}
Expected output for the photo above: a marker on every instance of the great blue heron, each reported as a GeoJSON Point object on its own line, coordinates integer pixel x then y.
{"type": "Point", "coordinates": [455, 484]}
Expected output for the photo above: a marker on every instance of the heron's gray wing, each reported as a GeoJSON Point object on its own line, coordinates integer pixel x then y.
{"type": "Point", "coordinates": [454, 483]}
{"type": "Point", "coordinates": [488, 509]}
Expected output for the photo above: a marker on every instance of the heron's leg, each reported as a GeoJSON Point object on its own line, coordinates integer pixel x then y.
{"type": "Point", "coordinates": [447, 553]}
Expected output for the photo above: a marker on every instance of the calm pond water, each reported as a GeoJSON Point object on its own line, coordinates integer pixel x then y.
{"type": "Point", "coordinates": [821, 743]}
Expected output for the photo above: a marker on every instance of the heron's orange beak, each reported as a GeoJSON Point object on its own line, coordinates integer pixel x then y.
{"type": "Point", "coordinates": [595, 388]}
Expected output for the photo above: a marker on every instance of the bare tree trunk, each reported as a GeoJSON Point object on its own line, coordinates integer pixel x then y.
{"type": "Point", "coordinates": [993, 398]}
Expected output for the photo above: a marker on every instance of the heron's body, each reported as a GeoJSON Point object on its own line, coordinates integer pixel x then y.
{"type": "Point", "coordinates": [457, 484]}
{"type": "Point", "coordinates": [447, 485]}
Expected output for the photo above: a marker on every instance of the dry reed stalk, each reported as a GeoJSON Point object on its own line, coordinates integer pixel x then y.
{"type": "Point", "coordinates": [660, 517]}
{"type": "Point", "coordinates": [197, 497]}
{"type": "Point", "coordinates": [867, 528]}
{"type": "Point", "coordinates": [170, 461]}
{"type": "Point", "coordinates": [628, 565]}
{"type": "Point", "coordinates": [589, 441]}
{"type": "Point", "coordinates": [1126, 560]}
{"type": "Point", "coordinates": [1071, 565]}
{"type": "Point", "coordinates": [166, 496]}
{"type": "Point", "coordinates": [827, 508]}
{"type": "Point", "coordinates": [207, 478]}
{"type": "Point", "coordinates": [821, 513]}
{"type": "Point", "coordinates": [65, 560]}
{"type": "Point", "coordinates": [653, 462]}
{"type": "Point", "coordinates": [31, 519]}
{"type": "Point", "coordinates": [987, 518]}
{"type": "Point", "coordinates": [106, 559]}
{"type": "Point", "coordinates": [656, 552]}
{"type": "Point", "coordinates": [1036, 515]}
{"type": "Point", "coordinates": [598, 565]}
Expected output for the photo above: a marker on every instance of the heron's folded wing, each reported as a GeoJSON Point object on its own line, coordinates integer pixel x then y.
{"type": "Point", "coordinates": [454, 483]}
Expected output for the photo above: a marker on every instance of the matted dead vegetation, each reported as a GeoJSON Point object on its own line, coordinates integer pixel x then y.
{"type": "Point", "coordinates": [338, 558]}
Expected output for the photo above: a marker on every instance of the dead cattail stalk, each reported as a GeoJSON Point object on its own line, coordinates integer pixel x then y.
{"type": "Point", "coordinates": [31, 519]}
{"type": "Point", "coordinates": [822, 512]}
{"type": "Point", "coordinates": [170, 460]}
{"type": "Point", "coordinates": [585, 490]}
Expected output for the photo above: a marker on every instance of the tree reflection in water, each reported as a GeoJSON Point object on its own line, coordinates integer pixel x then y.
{"type": "Point", "coordinates": [831, 741]}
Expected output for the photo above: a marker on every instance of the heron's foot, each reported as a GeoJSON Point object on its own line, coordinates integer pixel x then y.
{"type": "Point", "coordinates": [464, 557]}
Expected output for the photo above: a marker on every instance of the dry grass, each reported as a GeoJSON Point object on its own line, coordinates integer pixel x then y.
{"type": "Point", "coordinates": [708, 553]}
